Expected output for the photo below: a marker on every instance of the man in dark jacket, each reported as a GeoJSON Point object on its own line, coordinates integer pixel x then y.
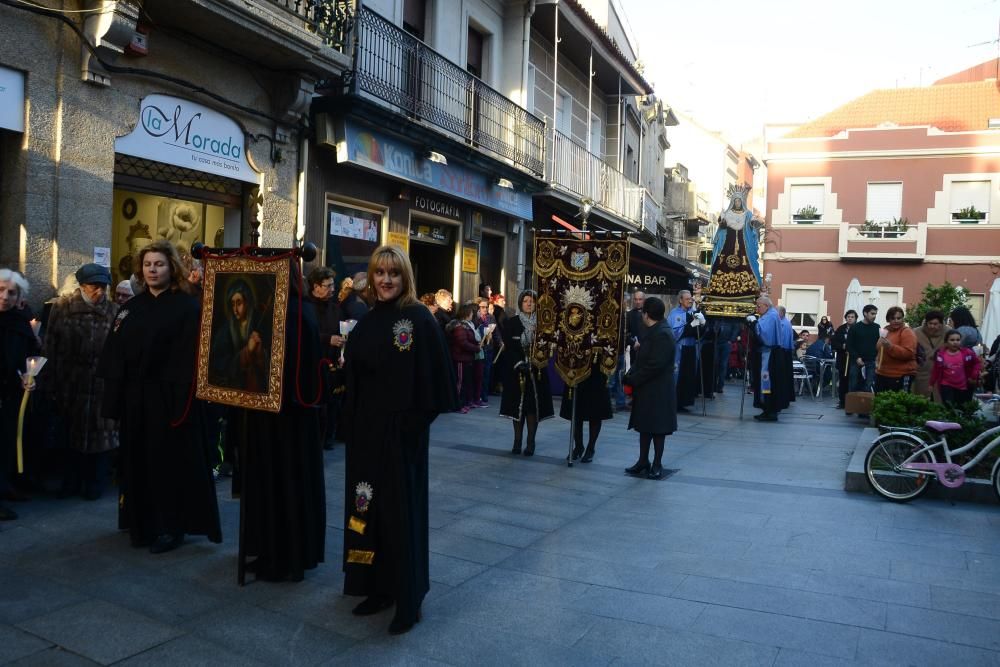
{"type": "Point", "coordinates": [862, 349]}
{"type": "Point", "coordinates": [322, 287]}
{"type": "Point", "coordinates": [635, 329]}
{"type": "Point", "coordinates": [839, 345]}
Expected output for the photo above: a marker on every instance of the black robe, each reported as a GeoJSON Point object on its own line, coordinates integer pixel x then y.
{"type": "Point", "coordinates": [164, 469]}
{"type": "Point", "coordinates": [17, 343]}
{"type": "Point", "coordinates": [536, 396]}
{"type": "Point", "coordinates": [284, 497]}
{"type": "Point", "coordinates": [593, 400]}
{"type": "Point", "coordinates": [399, 378]}
{"type": "Point", "coordinates": [652, 380]}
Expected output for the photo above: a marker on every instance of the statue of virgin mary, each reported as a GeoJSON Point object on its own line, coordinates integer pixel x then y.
{"type": "Point", "coordinates": [734, 283]}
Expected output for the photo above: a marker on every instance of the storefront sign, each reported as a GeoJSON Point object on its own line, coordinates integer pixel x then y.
{"type": "Point", "coordinates": [651, 270]}
{"type": "Point", "coordinates": [370, 149]}
{"type": "Point", "coordinates": [399, 239]}
{"type": "Point", "coordinates": [470, 258]}
{"type": "Point", "coordinates": [187, 134]}
{"type": "Point", "coordinates": [437, 206]}
{"type": "Point", "coordinates": [11, 99]}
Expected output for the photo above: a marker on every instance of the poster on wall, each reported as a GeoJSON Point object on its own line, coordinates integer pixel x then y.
{"type": "Point", "coordinates": [352, 227]}
{"type": "Point", "coordinates": [241, 347]}
{"type": "Point", "coordinates": [353, 233]}
{"type": "Point", "coordinates": [11, 99]}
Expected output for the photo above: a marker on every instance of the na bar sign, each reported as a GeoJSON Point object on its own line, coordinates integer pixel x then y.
{"type": "Point", "coordinates": [188, 134]}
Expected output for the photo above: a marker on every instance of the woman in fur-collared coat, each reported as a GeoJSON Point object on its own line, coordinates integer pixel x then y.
{"type": "Point", "coordinates": [77, 327]}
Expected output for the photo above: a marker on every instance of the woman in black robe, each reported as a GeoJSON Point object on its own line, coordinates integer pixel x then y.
{"type": "Point", "coordinates": [17, 343]}
{"type": "Point", "coordinates": [593, 405]}
{"type": "Point", "coordinates": [284, 491]}
{"type": "Point", "coordinates": [654, 412]}
{"type": "Point", "coordinates": [526, 396]}
{"type": "Point", "coordinates": [148, 365]}
{"type": "Point", "coordinates": [399, 378]}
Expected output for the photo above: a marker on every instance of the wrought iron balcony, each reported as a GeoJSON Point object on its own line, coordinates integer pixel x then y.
{"type": "Point", "coordinates": [331, 20]}
{"type": "Point", "coordinates": [577, 171]}
{"type": "Point", "coordinates": [400, 70]}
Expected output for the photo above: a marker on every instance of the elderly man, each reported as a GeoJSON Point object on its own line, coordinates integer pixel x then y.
{"type": "Point", "coordinates": [684, 321]}
{"type": "Point", "coordinates": [123, 292]}
{"type": "Point", "coordinates": [771, 384]}
{"type": "Point", "coordinates": [444, 302]}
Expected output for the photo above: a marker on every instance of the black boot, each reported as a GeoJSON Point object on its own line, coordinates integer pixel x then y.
{"type": "Point", "coordinates": [373, 604]}
{"type": "Point", "coordinates": [532, 427]}
{"type": "Point", "coordinates": [656, 471]}
{"type": "Point", "coordinates": [518, 435]}
{"type": "Point", "coordinates": [639, 469]}
{"type": "Point", "coordinates": [595, 430]}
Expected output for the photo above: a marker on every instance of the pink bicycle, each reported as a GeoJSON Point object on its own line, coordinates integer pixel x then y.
{"type": "Point", "coordinates": [901, 462]}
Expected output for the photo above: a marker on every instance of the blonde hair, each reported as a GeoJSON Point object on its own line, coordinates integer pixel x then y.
{"type": "Point", "coordinates": [395, 259]}
{"type": "Point", "coordinates": [178, 275]}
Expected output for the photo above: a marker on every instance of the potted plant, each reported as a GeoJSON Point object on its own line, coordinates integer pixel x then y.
{"type": "Point", "coordinates": [968, 215]}
{"type": "Point", "coordinates": [806, 215]}
{"type": "Point", "coordinates": [885, 230]}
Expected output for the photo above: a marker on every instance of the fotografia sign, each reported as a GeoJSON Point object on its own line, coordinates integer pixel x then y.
{"type": "Point", "coordinates": [188, 134]}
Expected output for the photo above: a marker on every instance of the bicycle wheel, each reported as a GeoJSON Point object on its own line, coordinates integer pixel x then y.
{"type": "Point", "coordinates": [881, 469]}
{"type": "Point", "coordinates": [996, 479]}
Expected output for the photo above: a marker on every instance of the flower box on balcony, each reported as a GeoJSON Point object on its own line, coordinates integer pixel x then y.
{"type": "Point", "coordinates": [807, 215]}
{"type": "Point", "coordinates": [968, 216]}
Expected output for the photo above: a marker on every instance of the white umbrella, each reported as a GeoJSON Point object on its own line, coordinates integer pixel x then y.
{"type": "Point", "coordinates": [874, 296]}
{"type": "Point", "coordinates": [855, 297]}
{"type": "Point", "coordinates": [990, 328]}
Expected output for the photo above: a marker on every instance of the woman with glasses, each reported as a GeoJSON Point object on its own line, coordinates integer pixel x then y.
{"type": "Point", "coordinates": [896, 363]}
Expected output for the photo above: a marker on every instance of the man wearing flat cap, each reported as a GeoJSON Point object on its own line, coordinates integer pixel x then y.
{"type": "Point", "coordinates": [74, 338]}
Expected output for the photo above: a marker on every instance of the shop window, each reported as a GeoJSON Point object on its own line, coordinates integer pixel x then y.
{"type": "Point", "coordinates": [352, 235]}
{"type": "Point", "coordinates": [140, 218]}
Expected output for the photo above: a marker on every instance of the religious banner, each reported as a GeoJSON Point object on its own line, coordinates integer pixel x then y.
{"type": "Point", "coordinates": [580, 287]}
{"type": "Point", "coordinates": [734, 284]}
{"type": "Point", "coordinates": [241, 349]}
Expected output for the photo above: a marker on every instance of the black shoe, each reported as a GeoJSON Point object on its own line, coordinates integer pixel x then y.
{"type": "Point", "coordinates": [165, 543]}
{"type": "Point", "coordinates": [683, 409]}
{"type": "Point", "coordinates": [530, 449]}
{"type": "Point", "coordinates": [577, 452]}
{"type": "Point", "coordinates": [766, 418]}
{"type": "Point", "coordinates": [398, 626]}
{"type": "Point", "coordinates": [588, 456]}
{"type": "Point", "coordinates": [516, 449]}
{"type": "Point", "coordinates": [7, 514]}
{"type": "Point", "coordinates": [656, 472]}
{"type": "Point", "coordinates": [328, 445]}
{"type": "Point", "coordinates": [639, 469]}
{"type": "Point", "coordinates": [373, 604]}
{"type": "Point", "coordinates": [838, 406]}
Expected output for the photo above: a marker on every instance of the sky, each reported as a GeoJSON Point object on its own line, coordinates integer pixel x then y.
{"type": "Point", "coordinates": [735, 65]}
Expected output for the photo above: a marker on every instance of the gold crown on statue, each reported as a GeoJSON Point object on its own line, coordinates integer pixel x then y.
{"type": "Point", "coordinates": [738, 190]}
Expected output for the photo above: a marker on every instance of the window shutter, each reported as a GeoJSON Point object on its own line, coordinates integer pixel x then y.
{"type": "Point", "coordinates": [970, 193]}
{"type": "Point", "coordinates": [807, 195]}
{"type": "Point", "coordinates": [802, 301]}
{"type": "Point", "coordinates": [885, 202]}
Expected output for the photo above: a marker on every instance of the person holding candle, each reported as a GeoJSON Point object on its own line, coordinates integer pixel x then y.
{"type": "Point", "coordinates": [77, 328]}
{"type": "Point", "coordinates": [148, 365]}
{"type": "Point", "coordinates": [17, 343]}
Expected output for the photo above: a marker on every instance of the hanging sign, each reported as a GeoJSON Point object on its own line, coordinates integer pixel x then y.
{"type": "Point", "coordinates": [188, 134]}
{"type": "Point", "coordinates": [11, 99]}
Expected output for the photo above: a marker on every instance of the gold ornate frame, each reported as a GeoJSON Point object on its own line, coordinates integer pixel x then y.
{"type": "Point", "coordinates": [215, 267]}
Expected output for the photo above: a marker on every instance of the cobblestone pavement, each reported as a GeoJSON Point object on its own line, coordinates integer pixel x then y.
{"type": "Point", "coordinates": [750, 554]}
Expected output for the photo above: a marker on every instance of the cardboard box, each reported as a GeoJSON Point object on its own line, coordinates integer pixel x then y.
{"type": "Point", "coordinates": [858, 402]}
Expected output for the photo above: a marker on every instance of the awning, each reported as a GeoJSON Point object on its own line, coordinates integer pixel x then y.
{"type": "Point", "coordinates": [654, 271]}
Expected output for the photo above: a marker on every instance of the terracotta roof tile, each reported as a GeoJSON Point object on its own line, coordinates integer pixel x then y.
{"type": "Point", "coordinates": [955, 107]}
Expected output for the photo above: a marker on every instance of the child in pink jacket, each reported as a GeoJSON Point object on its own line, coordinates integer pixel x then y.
{"type": "Point", "coordinates": [956, 370]}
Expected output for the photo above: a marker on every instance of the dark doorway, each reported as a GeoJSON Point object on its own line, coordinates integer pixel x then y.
{"type": "Point", "coordinates": [491, 261]}
{"type": "Point", "coordinates": [433, 266]}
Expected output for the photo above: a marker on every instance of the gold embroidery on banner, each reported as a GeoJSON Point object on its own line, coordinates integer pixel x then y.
{"type": "Point", "coordinates": [357, 525]}
{"type": "Point", "coordinates": [360, 557]}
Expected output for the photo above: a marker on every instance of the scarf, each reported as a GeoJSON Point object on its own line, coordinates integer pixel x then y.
{"type": "Point", "coordinates": [529, 322]}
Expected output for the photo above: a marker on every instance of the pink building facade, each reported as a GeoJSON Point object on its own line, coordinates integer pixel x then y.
{"type": "Point", "coordinates": [895, 206]}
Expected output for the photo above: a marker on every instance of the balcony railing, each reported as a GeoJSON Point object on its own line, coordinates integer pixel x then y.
{"type": "Point", "coordinates": [330, 19]}
{"type": "Point", "coordinates": [399, 69]}
{"type": "Point", "coordinates": [578, 171]}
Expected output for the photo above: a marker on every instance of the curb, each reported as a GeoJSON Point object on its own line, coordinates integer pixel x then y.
{"type": "Point", "coordinates": [855, 480]}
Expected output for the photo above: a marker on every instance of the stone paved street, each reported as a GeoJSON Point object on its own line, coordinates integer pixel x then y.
{"type": "Point", "coordinates": [750, 554]}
